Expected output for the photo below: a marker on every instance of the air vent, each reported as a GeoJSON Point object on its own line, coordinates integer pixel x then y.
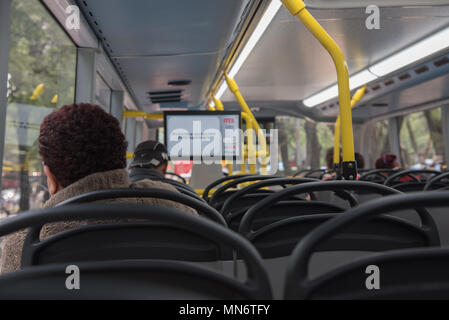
{"type": "Point", "coordinates": [169, 96]}
{"type": "Point", "coordinates": [421, 70]}
{"type": "Point", "coordinates": [404, 76]}
{"type": "Point", "coordinates": [375, 88]}
{"type": "Point", "coordinates": [170, 92]}
{"type": "Point", "coordinates": [441, 62]}
{"type": "Point", "coordinates": [380, 105]}
{"type": "Point", "coordinates": [389, 82]}
{"type": "Point", "coordinates": [179, 83]}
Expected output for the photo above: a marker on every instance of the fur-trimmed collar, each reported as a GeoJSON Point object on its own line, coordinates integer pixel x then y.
{"type": "Point", "coordinates": [98, 181]}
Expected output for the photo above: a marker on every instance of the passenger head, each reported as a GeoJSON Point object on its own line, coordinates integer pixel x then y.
{"type": "Point", "coordinates": [360, 160]}
{"type": "Point", "coordinates": [387, 161]}
{"type": "Point", "coordinates": [150, 155]}
{"type": "Point", "coordinates": [78, 140]}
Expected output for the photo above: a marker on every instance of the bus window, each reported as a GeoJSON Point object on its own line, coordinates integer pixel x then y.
{"type": "Point", "coordinates": [102, 94]}
{"type": "Point", "coordinates": [380, 143]}
{"type": "Point", "coordinates": [422, 140]}
{"type": "Point", "coordinates": [303, 143]}
{"type": "Point", "coordinates": [325, 133]}
{"type": "Point", "coordinates": [292, 144]}
{"type": "Point", "coordinates": [42, 71]}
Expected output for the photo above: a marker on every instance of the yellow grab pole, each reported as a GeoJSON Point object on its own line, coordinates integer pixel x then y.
{"type": "Point", "coordinates": [142, 114]}
{"type": "Point", "coordinates": [251, 151]}
{"type": "Point", "coordinates": [211, 108]}
{"type": "Point", "coordinates": [219, 107]}
{"type": "Point", "coordinates": [298, 9]}
{"type": "Point", "coordinates": [245, 108]}
{"type": "Point", "coordinates": [355, 99]}
{"type": "Point", "coordinates": [218, 104]}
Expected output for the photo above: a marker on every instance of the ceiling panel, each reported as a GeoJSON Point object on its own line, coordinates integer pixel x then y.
{"type": "Point", "coordinates": [153, 41]}
{"type": "Point", "coordinates": [413, 97]}
{"type": "Point", "coordinates": [289, 64]}
{"type": "Point", "coordinates": [153, 74]}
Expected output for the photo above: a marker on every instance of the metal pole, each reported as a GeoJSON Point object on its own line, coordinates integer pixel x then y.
{"type": "Point", "coordinates": [5, 22]}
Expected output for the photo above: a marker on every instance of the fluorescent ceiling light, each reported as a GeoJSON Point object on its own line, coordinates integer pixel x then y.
{"type": "Point", "coordinates": [268, 16]}
{"type": "Point", "coordinates": [422, 49]}
{"type": "Point", "coordinates": [418, 51]}
{"type": "Point", "coordinates": [221, 90]}
{"type": "Point", "coordinates": [359, 79]}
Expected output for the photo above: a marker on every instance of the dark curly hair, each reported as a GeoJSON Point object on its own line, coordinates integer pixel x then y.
{"type": "Point", "coordinates": [81, 139]}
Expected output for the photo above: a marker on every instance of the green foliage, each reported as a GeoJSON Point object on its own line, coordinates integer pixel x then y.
{"type": "Point", "coordinates": [421, 136]}
{"type": "Point", "coordinates": [294, 135]}
{"type": "Point", "coordinates": [40, 52]}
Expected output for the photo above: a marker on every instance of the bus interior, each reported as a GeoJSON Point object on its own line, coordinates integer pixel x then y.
{"type": "Point", "coordinates": [341, 176]}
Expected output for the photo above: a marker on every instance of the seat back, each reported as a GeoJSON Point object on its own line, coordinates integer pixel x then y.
{"type": "Point", "coordinates": [282, 210]}
{"type": "Point", "coordinates": [135, 279]}
{"type": "Point", "coordinates": [126, 280]}
{"type": "Point", "coordinates": [213, 201]}
{"type": "Point", "coordinates": [121, 241]}
{"type": "Point", "coordinates": [200, 206]}
{"type": "Point", "coordinates": [414, 175]}
{"type": "Point", "coordinates": [277, 239]}
{"type": "Point", "coordinates": [220, 181]}
{"type": "Point", "coordinates": [378, 175]}
{"type": "Point", "coordinates": [405, 273]}
{"type": "Point", "coordinates": [237, 203]}
{"type": "Point", "coordinates": [437, 182]}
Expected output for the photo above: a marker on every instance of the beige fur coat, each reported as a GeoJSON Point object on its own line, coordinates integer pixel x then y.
{"type": "Point", "coordinates": [13, 243]}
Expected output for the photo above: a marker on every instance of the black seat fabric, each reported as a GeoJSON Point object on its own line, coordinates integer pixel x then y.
{"type": "Point", "coordinates": [139, 276]}
{"type": "Point", "coordinates": [408, 273]}
{"type": "Point", "coordinates": [384, 233]}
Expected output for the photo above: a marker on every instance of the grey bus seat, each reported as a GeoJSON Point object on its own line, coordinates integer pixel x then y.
{"type": "Point", "coordinates": [406, 273]}
{"type": "Point", "coordinates": [130, 278]}
{"type": "Point", "coordinates": [276, 241]}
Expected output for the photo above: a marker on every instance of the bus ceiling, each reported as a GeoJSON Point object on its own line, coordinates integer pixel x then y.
{"type": "Point", "coordinates": [167, 67]}
{"type": "Point", "coordinates": [306, 70]}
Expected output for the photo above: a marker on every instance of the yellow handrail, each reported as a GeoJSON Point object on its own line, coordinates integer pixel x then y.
{"type": "Point", "coordinates": [355, 99]}
{"type": "Point", "coordinates": [298, 9]}
{"type": "Point", "coordinates": [251, 155]}
{"type": "Point", "coordinates": [245, 108]}
{"type": "Point", "coordinates": [218, 104]}
{"type": "Point", "coordinates": [142, 114]}
{"type": "Point", "coordinates": [219, 107]}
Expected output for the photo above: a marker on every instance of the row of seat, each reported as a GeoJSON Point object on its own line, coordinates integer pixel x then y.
{"type": "Point", "coordinates": [400, 179]}
{"type": "Point", "coordinates": [267, 229]}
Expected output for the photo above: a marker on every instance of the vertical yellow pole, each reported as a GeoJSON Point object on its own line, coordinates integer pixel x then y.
{"type": "Point", "coordinates": [245, 108]}
{"type": "Point", "coordinates": [219, 107]}
{"type": "Point", "coordinates": [251, 145]}
{"type": "Point", "coordinates": [218, 104]}
{"type": "Point", "coordinates": [355, 99]}
{"type": "Point", "coordinates": [298, 8]}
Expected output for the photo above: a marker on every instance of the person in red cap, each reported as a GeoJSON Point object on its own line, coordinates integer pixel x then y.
{"type": "Point", "coordinates": [387, 161]}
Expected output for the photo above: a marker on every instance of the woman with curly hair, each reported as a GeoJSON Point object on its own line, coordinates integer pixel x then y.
{"type": "Point", "coordinates": [83, 150]}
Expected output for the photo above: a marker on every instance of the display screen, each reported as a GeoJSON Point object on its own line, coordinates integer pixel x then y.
{"type": "Point", "coordinates": [203, 135]}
